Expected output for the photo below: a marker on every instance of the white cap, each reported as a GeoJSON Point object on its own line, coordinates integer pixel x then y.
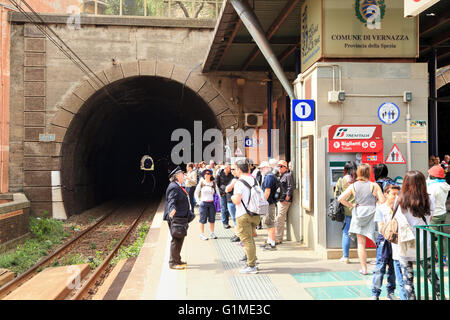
{"type": "Point", "coordinates": [264, 164]}
{"type": "Point", "coordinates": [273, 162]}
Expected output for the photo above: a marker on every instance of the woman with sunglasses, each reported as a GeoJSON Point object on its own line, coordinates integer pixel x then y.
{"type": "Point", "coordinates": [204, 194]}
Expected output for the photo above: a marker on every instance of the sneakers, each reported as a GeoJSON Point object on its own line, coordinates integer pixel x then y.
{"type": "Point", "coordinates": [345, 260]}
{"type": "Point", "coordinates": [212, 236]}
{"type": "Point", "coordinates": [375, 298]}
{"type": "Point", "coordinates": [244, 258]}
{"type": "Point", "coordinates": [391, 296]}
{"type": "Point", "coordinates": [203, 237]}
{"type": "Point", "coordinates": [267, 246]}
{"type": "Point", "coordinates": [235, 239]}
{"type": "Point", "coordinates": [226, 226]}
{"type": "Point", "coordinates": [249, 270]}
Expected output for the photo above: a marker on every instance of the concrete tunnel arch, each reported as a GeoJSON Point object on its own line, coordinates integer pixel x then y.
{"type": "Point", "coordinates": [103, 138]}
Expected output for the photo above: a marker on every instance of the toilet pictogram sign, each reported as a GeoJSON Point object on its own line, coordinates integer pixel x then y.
{"type": "Point", "coordinates": [395, 156]}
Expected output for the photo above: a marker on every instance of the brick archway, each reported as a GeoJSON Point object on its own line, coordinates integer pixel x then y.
{"type": "Point", "coordinates": [197, 82]}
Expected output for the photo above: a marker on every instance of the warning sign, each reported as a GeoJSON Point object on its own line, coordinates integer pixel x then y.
{"type": "Point", "coordinates": [395, 156]}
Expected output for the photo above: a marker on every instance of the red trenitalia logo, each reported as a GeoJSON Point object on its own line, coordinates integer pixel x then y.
{"type": "Point", "coordinates": [341, 132]}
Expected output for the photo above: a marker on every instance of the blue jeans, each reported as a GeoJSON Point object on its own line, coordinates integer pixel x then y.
{"type": "Point", "coordinates": [190, 191]}
{"type": "Point", "coordinates": [345, 237]}
{"type": "Point", "coordinates": [399, 277]}
{"type": "Point", "coordinates": [380, 271]}
{"type": "Point", "coordinates": [224, 210]}
{"type": "Point", "coordinates": [232, 210]}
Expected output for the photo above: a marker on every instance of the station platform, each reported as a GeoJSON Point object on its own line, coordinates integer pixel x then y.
{"type": "Point", "coordinates": [212, 273]}
{"type": "Point", "coordinates": [292, 272]}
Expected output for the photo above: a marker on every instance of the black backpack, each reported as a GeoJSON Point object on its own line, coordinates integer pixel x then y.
{"type": "Point", "coordinates": [335, 209]}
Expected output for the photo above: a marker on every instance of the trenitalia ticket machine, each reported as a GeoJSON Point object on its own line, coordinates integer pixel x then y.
{"type": "Point", "coordinates": [358, 143]}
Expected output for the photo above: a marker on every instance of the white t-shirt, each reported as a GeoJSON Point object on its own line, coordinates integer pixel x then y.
{"type": "Point", "coordinates": [383, 214]}
{"type": "Point", "coordinates": [242, 189]}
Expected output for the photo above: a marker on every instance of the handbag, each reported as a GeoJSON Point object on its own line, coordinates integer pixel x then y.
{"type": "Point", "coordinates": [335, 208]}
{"type": "Point", "coordinates": [178, 227]}
{"type": "Point", "coordinates": [390, 230]}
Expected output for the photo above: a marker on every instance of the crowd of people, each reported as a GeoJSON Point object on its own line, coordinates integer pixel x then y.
{"type": "Point", "coordinates": [370, 206]}
{"type": "Point", "coordinates": [226, 188]}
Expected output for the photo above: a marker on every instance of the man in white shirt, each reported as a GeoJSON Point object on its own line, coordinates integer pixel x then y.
{"type": "Point", "coordinates": [246, 224]}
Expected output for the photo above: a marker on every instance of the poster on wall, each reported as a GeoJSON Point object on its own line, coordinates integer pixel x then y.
{"type": "Point", "coordinates": [419, 131]}
{"type": "Point", "coordinates": [307, 170]}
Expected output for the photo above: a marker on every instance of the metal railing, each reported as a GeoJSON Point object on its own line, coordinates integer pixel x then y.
{"type": "Point", "coordinates": [195, 9]}
{"type": "Point", "coordinates": [443, 241]}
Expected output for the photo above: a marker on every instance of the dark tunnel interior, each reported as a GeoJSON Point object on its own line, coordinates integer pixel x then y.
{"type": "Point", "coordinates": [107, 138]}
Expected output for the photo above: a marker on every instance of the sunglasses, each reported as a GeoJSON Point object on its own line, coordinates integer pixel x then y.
{"type": "Point", "coordinates": [207, 173]}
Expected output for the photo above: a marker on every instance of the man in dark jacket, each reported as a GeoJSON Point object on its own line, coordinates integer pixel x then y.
{"type": "Point", "coordinates": [223, 178]}
{"type": "Point", "coordinates": [177, 207]}
{"type": "Point", "coordinates": [287, 191]}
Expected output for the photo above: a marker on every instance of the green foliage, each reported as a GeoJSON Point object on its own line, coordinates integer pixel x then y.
{"type": "Point", "coordinates": [133, 249]}
{"type": "Point", "coordinates": [96, 261]}
{"type": "Point", "coordinates": [93, 246]}
{"type": "Point", "coordinates": [46, 233]}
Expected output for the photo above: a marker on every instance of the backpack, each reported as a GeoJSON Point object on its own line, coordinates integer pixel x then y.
{"type": "Point", "coordinates": [390, 229]}
{"type": "Point", "coordinates": [336, 209]}
{"type": "Point", "coordinates": [257, 203]}
{"type": "Point", "coordinates": [277, 194]}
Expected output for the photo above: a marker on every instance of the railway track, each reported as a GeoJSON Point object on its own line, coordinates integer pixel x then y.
{"type": "Point", "coordinates": [129, 213]}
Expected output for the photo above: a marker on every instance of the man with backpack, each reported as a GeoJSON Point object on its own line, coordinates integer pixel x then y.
{"type": "Point", "coordinates": [246, 223]}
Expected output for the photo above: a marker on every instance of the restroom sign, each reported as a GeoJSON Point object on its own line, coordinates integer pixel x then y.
{"type": "Point", "coordinates": [395, 156]}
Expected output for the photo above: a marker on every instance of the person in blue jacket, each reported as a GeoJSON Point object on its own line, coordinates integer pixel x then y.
{"type": "Point", "coordinates": [177, 207]}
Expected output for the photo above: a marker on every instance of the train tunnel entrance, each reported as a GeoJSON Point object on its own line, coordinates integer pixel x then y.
{"type": "Point", "coordinates": [115, 127]}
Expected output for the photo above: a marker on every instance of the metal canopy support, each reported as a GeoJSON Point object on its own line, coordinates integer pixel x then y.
{"type": "Point", "coordinates": [253, 26]}
{"type": "Point", "coordinates": [432, 104]}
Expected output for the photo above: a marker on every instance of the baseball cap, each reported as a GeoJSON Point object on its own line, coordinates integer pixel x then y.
{"type": "Point", "coordinates": [437, 171]}
{"type": "Point", "coordinates": [282, 163]}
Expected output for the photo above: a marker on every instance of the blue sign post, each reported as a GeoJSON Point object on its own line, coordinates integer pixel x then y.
{"type": "Point", "coordinates": [303, 110]}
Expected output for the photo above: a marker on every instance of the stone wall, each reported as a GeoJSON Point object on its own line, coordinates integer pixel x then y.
{"type": "Point", "coordinates": [48, 89]}
{"type": "Point", "coordinates": [14, 218]}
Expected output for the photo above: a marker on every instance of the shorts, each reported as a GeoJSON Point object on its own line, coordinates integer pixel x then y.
{"type": "Point", "coordinates": [207, 212]}
{"type": "Point", "coordinates": [269, 218]}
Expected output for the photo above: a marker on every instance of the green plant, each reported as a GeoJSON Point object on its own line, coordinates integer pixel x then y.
{"type": "Point", "coordinates": [93, 246]}
{"type": "Point", "coordinates": [133, 249]}
{"type": "Point", "coordinates": [46, 233]}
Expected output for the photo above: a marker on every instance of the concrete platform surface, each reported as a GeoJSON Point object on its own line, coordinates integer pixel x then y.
{"type": "Point", "coordinates": [50, 284]}
{"type": "Point", "coordinates": [292, 272]}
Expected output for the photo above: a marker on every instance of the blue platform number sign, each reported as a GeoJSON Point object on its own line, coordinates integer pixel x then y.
{"type": "Point", "coordinates": [303, 110]}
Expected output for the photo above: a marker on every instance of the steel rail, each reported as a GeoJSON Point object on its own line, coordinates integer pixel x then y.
{"type": "Point", "coordinates": [27, 275]}
{"type": "Point", "coordinates": [84, 291]}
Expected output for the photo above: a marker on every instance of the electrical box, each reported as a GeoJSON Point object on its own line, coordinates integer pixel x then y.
{"type": "Point", "coordinates": [407, 96]}
{"type": "Point", "coordinates": [336, 96]}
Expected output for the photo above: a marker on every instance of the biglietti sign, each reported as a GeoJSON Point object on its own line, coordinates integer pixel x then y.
{"type": "Point", "coordinates": [355, 138]}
